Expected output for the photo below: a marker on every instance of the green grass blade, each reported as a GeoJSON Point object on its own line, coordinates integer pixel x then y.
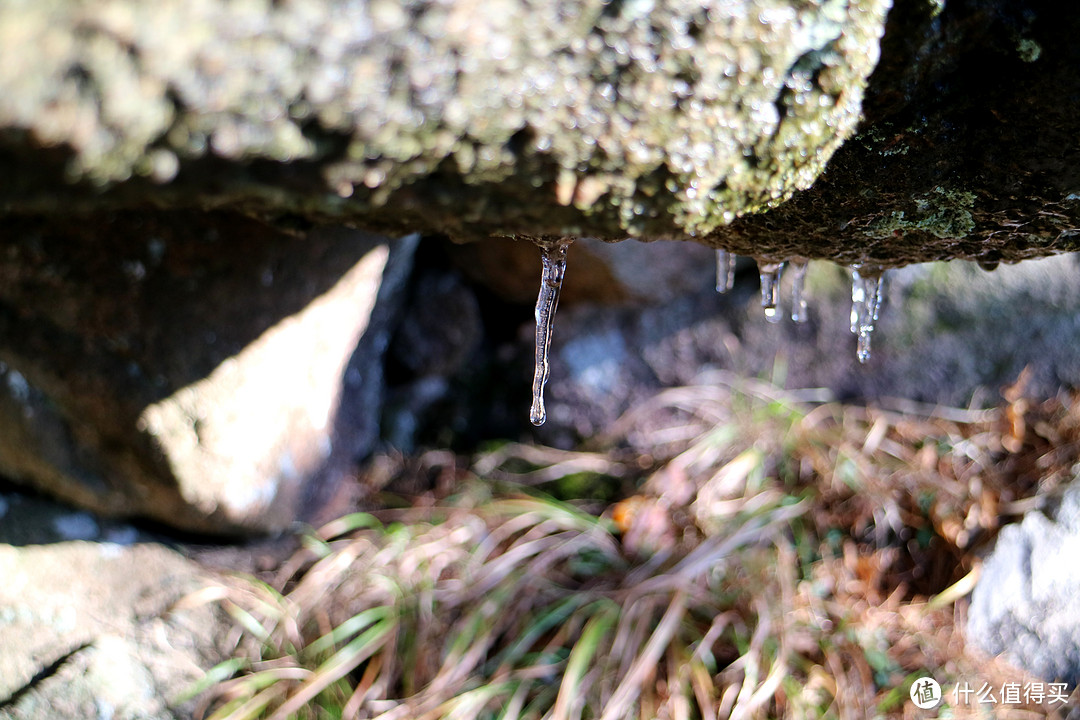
{"type": "Point", "coordinates": [538, 627]}
{"type": "Point", "coordinates": [249, 709]}
{"type": "Point", "coordinates": [346, 630]}
{"type": "Point", "coordinates": [214, 676]}
{"type": "Point", "coordinates": [581, 657]}
{"type": "Point", "coordinates": [340, 664]}
{"type": "Point", "coordinates": [349, 523]}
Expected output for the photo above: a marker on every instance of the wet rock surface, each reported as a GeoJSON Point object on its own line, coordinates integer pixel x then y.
{"type": "Point", "coordinates": [203, 370]}
{"type": "Point", "coordinates": [1025, 602]}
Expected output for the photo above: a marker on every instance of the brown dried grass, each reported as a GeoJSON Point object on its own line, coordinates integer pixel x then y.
{"type": "Point", "coordinates": [782, 555]}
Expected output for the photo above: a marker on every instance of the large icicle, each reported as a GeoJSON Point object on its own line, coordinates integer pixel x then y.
{"type": "Point", "coordinates": [554, 257]}
{"type": "Point", "coordinates": [725, 271]}
{"type": "Point", "coordinates": [865, 304]}
{"type": "Point", "coordinates": [770, 289]}
{"type": "Point", "coordinates": [798, 290]}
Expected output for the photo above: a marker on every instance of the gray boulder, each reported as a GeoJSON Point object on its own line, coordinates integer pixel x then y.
{"type": "Point", "coordinates": [1026, 604]}
{"type": "Point", "coordinates": [508, 118]}
{"type": "Point", "coordinates": [102, 631]}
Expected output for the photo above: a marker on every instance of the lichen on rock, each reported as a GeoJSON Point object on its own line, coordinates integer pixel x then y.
{"type": "Point", "coordinates": [944, 213]}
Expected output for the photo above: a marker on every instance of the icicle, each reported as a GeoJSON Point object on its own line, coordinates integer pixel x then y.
{"type": "Point", "coordinates": [865, 304]}
{"type": "Point", "coordinates": [770, 289]}
{"type": "Point", "coordinates": [725, 271]}
{"type": "Point", "coordinates": [554, 257]}
{"type": "Point", "coordinates": [798, 290]}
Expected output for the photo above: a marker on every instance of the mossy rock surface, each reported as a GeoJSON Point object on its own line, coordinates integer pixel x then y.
{"type": "Point", "coordinates": [650, 119]}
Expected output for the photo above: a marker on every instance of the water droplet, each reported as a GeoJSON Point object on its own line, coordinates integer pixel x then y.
{"type": "Point", "coordinates": [770, 289]}
{"type": "Point", "coordinates": [725, 271]}
{"type": "Point", "coordinates": [865, 304]}
{"type": "Point", "coordinates": [554, 258]}
{"type": "Point", "coordinates": [798, 291]}
{"type": "Point", "coordinates": [989, 265]}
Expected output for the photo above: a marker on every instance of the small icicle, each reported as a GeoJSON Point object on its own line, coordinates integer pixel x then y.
{"type": "Point", "coordinates": [554, 257]}
{"type": "Point", "coordinates": [865, 304]}
{"type": "Point", "coordinates": [770, 289]}
{"type": "Point", "coordinates": [798, 290]}
{"type": "Point", "coordinates": [725, 271]}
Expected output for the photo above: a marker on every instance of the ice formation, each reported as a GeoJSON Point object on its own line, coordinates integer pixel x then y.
{"type": "Point", "coordinates": [554, 259]}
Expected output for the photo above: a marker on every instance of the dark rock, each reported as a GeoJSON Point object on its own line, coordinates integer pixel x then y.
{"type": "Point", "coordinates": [200, 369]}
{"type": "Point", "coordinates": [965, 151]}
{"type": "Point", "coordinates": [440, 326]}
{"type": "Point", "coordinates": [440, 331]}
{"type": "Point", "coordinates": [1025, 603]}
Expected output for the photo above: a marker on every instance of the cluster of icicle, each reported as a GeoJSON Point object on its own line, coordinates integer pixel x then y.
{"type": "Point", "coordinates": [865, 303]}
{"type": "Point", "coordinates": [865, 294]}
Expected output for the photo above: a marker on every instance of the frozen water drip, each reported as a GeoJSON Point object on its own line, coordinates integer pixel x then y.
{"type": "Point", "coordinates": [865, 304]}
{"type": "Point", "coordinates": [554, 258]}
{"type": "Point", "coordinates": [770, 289]}
{"type": "Point", "coordinates": [798, 290]}
{"type": "Point", "coordinates": [725, 271]}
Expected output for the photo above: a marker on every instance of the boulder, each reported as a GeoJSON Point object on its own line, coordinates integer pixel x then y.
{"type": "Point", "coordinates": [202, 370]}
{"type": "Point", "coordinates": [679, 119]}
{"type": "Point", "coordinates": [1024, 605]}
{"type": "Point", "coordinates": [103, 631]}
{"type": "Point", "coordinates": [654, 117]}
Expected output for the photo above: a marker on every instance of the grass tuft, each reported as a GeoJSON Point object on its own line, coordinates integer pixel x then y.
{"type": "Point", "coordinates": [774, 554]}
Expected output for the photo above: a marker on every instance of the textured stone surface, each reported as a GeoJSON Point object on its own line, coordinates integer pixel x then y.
{"type": "Point", "coordinates": [1025, 602]}
{"type": "Point", "coordinates": [647, 118]}
{"type": "Point", "coordinates": [93, 630]}
{"type": "Point", "coordinates": [644, 119]}
{"type": "Point", "coordinates": [966, 150]}
{"type": "Point", "coordinates": [203, 370]}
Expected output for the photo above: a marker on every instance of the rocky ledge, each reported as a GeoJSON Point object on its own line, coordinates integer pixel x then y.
{"type": "Point", "coordinates": [678, 119]}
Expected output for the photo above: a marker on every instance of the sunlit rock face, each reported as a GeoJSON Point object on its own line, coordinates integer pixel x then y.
{"type": "Point", "coordinates": [208, 372]}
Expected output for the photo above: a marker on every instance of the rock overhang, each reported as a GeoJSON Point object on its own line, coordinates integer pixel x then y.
{"type": "Point", "coordinates": [768, 129]}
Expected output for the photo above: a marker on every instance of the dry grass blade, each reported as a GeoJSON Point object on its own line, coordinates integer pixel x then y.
{"type": "Point", "coordinates": [342, 662]}
{"type": "Point", "coordinates": [632, 683]}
